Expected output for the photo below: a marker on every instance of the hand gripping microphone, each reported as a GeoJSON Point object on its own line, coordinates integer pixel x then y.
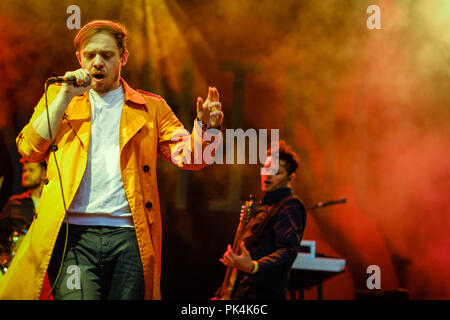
{"type": "Point", "coordinates": [70, 80]}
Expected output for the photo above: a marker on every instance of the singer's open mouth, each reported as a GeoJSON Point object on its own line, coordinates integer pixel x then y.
{"type": "Point", "coordinates": [99, 76]}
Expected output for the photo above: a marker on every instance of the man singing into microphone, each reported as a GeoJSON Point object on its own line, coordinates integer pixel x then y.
{"type": "Point", "coordinates": [107, 137]}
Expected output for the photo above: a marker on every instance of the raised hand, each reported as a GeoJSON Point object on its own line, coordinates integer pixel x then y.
{"type": "Point", "coordinates": [210, 110]}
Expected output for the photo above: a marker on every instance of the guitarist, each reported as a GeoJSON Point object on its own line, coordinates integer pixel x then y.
{"type": "Point", "coordinates": [271, 238]}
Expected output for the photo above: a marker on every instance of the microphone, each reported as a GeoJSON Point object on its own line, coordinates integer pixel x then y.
{"type": "Point", "coordinates": [70, 80]}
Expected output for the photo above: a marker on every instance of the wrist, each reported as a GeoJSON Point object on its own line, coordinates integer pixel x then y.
{"type": "Point", "coordinates": [203, 125]}
{"type": "Point", "coordinates": [206, 126]}
{"type": "Point", "coordinates": [65, 95]}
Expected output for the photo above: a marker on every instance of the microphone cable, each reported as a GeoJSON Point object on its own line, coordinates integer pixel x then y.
{"type": "Point", "coordinates": [53, 149]}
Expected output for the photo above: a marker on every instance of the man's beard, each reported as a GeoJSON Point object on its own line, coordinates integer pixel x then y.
{"type": "Point", "coordinates": [32, 185]}
{"type": "Point", "coordinates": [106, 88]}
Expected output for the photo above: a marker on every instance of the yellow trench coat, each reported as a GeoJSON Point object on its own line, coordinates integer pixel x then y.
{"type": "Point", "coordinates": [146, 128]}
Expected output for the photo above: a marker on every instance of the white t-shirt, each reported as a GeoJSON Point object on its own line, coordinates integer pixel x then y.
{"type": "Point", "coordinates": [100, 198]}
{"type": "Point", "coordinates": [35, 201]}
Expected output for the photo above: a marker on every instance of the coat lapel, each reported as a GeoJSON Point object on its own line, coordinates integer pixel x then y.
{"type": "Point", "coordinates": [78, 116]}
{"type": "Point", "coordinates": [133, 118]}
{"type": "Point", "coordinates": [134, 115]}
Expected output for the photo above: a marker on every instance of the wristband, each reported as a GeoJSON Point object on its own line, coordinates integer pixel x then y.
{"type": "Point", "coordinates": [255, 267]}
{"type": "Point", "coordinates": [206, 126]}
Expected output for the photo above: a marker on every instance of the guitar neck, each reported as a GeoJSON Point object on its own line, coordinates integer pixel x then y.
{"type": "Point", "coordinates": [231, 273]}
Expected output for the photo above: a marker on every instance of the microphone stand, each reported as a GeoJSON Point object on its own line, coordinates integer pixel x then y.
{"type": "Point", "coordinates": [327, 203]}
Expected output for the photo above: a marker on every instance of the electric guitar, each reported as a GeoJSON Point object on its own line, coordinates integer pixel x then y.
{"type": "Point", "coordinates": [231, 274]}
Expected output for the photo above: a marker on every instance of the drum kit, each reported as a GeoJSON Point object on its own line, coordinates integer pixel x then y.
{"type": "Point", "coordinates": [8, 254]}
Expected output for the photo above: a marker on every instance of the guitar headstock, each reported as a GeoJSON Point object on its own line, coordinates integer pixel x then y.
{"type": "Point", "coordinates": [247, 208]}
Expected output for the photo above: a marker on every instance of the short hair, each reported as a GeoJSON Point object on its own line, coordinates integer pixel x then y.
{"type": "Point", "coordinates": [116, 29]}
{"type": "Point", "coordinates": [43, 164]}
{"type": "Point", "coordinates": [287, 154]}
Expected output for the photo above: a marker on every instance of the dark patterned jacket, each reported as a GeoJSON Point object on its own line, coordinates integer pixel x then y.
{"type": "Point", "coordinates": [272, 236]}
{"type": "Point", "coordinates": [17, 214]}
